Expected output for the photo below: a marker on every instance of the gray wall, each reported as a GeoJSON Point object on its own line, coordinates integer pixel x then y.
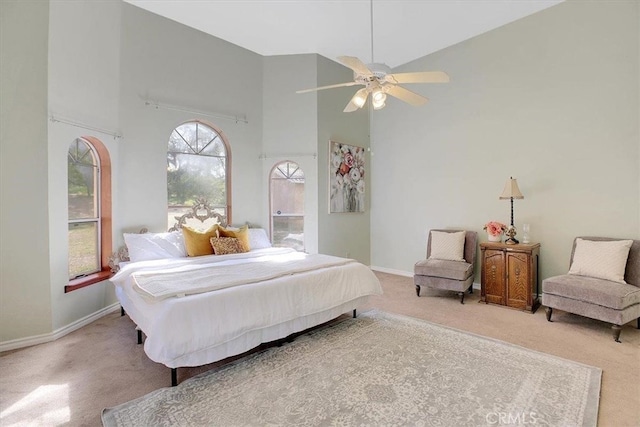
{"type": "Point", "coordinates": [289, 131]}
{"type": "Point", "coordinates": [167, 62]}
{"type": "Point", "coordinates": [83, 86]}
{"type": "Point", "coordinates": [552, 100]}
{"type": "Point", "coordinates": [25, 303]}
{"type": "Point", "coordinates": [341, 234]}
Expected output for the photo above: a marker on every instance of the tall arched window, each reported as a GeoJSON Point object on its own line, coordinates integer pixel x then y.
{"type": "Point", "coordinates": [198, 165]}
{"type": "Point", "coordinates": [287, 205]}
{"type": "Point", "coordinates": [89, 207]}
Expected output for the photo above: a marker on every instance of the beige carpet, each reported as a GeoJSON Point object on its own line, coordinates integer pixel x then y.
{"type": "Point", "coordinates": [378, 370]}
{"type": "Point", "coordinates": [70, 381]}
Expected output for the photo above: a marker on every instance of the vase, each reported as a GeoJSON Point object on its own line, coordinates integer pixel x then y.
{"type": "Point", "coordinates": [525, 236]}
{"type": "Point", "coordinates": [496, 238]}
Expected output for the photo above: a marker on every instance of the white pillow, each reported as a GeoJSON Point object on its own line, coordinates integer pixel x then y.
{"type": "Point", "coordinates": [258, 238]}
{"type": "Point", "coordinates": [601, 259]}
{"type": "Point", "coordinates": [148, 246]}
{"type": "Point", "coordinates": [447, 246]}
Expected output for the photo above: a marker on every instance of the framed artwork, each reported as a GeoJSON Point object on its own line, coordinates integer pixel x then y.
{"type": "Point", "coordinates": [346, 178]}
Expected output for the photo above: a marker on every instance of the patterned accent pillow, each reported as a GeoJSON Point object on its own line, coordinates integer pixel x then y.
{"type": "Point", "coordinates": [447, 246]}
{"type": "Point", "coordinates": [601, 259]}
{"type": "Point", "coordinates": [226, 245]}
{"type": "Point", "coordinates": [242, 234]}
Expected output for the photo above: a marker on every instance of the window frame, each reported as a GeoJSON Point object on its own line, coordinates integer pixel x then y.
{"type": "Point", "coordinates": [227, 169]}
{"type": "Point", "coordinates": [105, 243]}
{"type": "Point", "coordinates": [275, 167]}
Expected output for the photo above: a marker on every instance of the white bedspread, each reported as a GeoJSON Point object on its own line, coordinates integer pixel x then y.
{"type": "Point", "coordinates": [189, 280]}
{"type": "Point", "coordinates": [198, 329]}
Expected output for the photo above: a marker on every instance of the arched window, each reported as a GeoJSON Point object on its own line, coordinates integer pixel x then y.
{"type": "Point", "coordinates": [89, 207]}
{"type": "Point", "coordinates": [198, 165]}
{"type": "Point", "coordinates": [287, 205]}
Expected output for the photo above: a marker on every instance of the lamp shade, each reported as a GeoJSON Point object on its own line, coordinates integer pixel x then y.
{"type": "Point", "coordinates": [511, 190]}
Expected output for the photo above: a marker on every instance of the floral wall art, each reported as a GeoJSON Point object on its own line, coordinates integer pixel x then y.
{"type": "Point", "coordinates": [346, 175]}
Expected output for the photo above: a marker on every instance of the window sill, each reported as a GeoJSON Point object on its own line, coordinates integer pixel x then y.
{"type": "Point", "coordinates": [87, 280]}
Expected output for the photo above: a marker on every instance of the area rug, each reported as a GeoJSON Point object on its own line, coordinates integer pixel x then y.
{"type": "Point", "coordinates": [378, 369]}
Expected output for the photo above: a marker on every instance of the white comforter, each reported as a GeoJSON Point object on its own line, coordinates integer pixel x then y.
{"type": "Point", "coordinates": [198, 329]}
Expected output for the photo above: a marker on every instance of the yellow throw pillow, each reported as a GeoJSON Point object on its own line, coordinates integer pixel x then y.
{"type": "Point", "coordinates": [242, 235]}
{"type": "Point", "coordinates": [226, 245]}
{"type": "Point", "coordinates": [197, 242]}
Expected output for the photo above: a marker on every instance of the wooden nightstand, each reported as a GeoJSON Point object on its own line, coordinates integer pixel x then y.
{"type": "Point", "coordinates": [510, 275]}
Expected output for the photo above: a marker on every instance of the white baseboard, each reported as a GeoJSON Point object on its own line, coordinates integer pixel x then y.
{"type": "Point", "coordinates": [392, 271]}
{"type": "Point", "coordinates": [59, 333]}
{"type": "Point", "coordinates": [406, 273]}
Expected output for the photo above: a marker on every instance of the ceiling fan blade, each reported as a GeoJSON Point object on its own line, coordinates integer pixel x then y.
{"type": "Point", "coordinates": [356, 65]}
{"type": "Point", "coordinates": [357, 101]}
{"type": "Point", "coordinates": [328, 87]}
{"type": "Point", "coordinates": [406, 95]}
{"type": "Point", "coordinates": [419, 77]}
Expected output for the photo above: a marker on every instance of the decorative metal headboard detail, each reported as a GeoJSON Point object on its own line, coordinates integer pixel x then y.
{"type": "Point", "coordinates": [121, 255]}
{"type": "Point", "coordinates": [201, 210]}
{"type": "Point", "coordinates": [201, 206]}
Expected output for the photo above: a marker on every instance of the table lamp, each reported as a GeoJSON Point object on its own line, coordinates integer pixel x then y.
{"type": "Point", "coordinates": [510, 192]}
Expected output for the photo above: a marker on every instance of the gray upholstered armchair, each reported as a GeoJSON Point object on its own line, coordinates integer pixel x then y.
{"type": "Point", "coordinates": [610, 301]}
{"type": "Point", "coordinates": [448, 274]}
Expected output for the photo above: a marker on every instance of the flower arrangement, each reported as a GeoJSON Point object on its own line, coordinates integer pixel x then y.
{"type": "Point", "coordinates": [347, 178]}
{"type": "Point", "coordinates": [495, 228]}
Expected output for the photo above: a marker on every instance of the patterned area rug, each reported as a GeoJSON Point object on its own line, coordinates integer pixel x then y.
{"type": "Point", "coordinates": [378, 369]}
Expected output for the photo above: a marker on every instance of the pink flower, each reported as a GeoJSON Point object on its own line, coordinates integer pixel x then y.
{"type": "Point", "coordinates": [348, 159]}
{"type": "Point", "coordinates": [495, 228]}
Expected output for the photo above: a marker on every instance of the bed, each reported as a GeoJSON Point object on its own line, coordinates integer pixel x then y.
{"type": "Point", "coordinates": [198, 310]}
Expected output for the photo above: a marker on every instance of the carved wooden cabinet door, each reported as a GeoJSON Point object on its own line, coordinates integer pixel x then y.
{"type": "Point", "coordinates": [518, 281]}
{"type": "Point", "coordinates": [493, 276]}
{"type": "Point", "coordinates": [510, 275]}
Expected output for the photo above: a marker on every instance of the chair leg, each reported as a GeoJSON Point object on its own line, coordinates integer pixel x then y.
{"type": "Point", "coordinates": [638, 321]}
{"type": "Point", "coordinates": [616, 329]}
{"type": "Point", "coordinates": [461, 297]}
{"type": "Point", "coordinates": [418, 290]}
{"type": "Point", "coordinates": [471, 289]}
{"type": "Point", "coordinates": [549, 312]}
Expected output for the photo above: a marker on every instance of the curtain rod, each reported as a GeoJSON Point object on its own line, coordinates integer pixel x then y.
{"type": "Point", "coordinates": [81, 125]}
{"type": "Point", "coordinates": [191, 111]}
{"type": "Point", "coordinates": [285, 155]}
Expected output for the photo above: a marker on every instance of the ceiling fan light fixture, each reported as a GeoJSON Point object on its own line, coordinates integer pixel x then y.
{"type": "Point", "coordinates": [378, 102]}
{"type": "Point", "coordinates": [379, 106]}
{"type": "Point", "coordinates": [378, 96]}
{"type": "Point", "coordinates": [360, 98]}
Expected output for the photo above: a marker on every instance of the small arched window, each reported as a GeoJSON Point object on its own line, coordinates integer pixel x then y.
{"type": "Point", "coordinates": [287, 205]}
{"type": "Point", "coordinates": [89, 212]}
{"type": "Point", "coordinates": [198, 165]}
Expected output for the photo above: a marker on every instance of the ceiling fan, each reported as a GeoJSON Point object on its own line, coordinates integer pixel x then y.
{"type": "Point", "coordinates": [380, 82]}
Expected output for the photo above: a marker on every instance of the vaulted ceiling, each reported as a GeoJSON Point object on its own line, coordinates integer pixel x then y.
{"type": "Point", "coordinates": [403, 30]}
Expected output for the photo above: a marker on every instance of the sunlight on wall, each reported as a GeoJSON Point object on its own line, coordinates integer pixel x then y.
{"type": "Point", "coordinates": [46, 405]}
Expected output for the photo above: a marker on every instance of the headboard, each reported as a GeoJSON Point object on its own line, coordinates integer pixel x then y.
{"type": "Point", "coordinates": [200, 211]}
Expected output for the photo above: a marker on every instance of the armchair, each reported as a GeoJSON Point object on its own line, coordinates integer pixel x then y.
{"type": "Point", "coordinates": [615, 302]}
{"type": "Point", "coordinates": [447, 274]}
